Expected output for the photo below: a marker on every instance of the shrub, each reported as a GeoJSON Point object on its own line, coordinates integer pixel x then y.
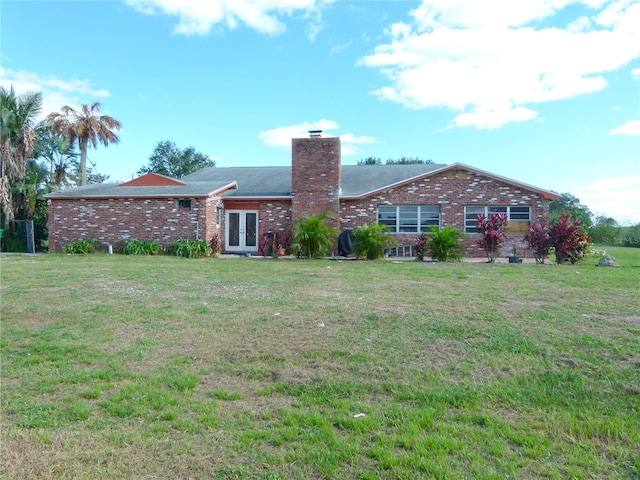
{"type": "Point", "coordinates": [492, 234]}
{"type": "Point", "coordinates": [370, 240]}
{"type": "Point", "coordinates": [539, 241]}
{"type": "Point", "coordinates": [421, 247]}
{"type": "Point", "coordinates": [191, 248]}
{"type": "Point", "coordinates": [570, 241]}
{"type": "Point", "coordinates": [82, 246]}
{"type": "Point", "coordinates": [215, 244]}
{"type": "Point", "coordinates": [445, 245]}
{"type": "Point", "coordinates": [142, 247]}
{"type": "Point", "coordinates": [312, 236]}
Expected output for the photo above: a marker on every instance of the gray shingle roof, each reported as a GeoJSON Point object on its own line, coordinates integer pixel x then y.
{"type": "Point", "coordinates": [252, 181]}
{"type": "Point", "coordinates": [265, 182]}
{"type": "Point", "coordinates": [113, 190]}
{"type": "Point", "coordinates": [357, 180]}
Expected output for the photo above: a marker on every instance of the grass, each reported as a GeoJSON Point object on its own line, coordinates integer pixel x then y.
{"type": "Point", "coordinates": [162, 367]}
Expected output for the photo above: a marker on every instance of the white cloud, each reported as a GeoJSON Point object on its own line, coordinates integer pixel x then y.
{"type": "Point", "coordinates": [491, 61]}
{"type": "Point", "coordinates": [56, 92]}
{"type": "Point", "coordinates": [635, 73]}
{"type": "Point", "coordinates": [281, 136]}
{"type": "Point", "coordinates": [632, 127]}
{"type": "Point", "coordinates": [615, 197]}
{"type": "Point", "coordinates": [199, 17]}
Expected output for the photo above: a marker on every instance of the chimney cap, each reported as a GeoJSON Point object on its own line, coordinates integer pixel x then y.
{"type": "Point", "coordinates": [315, 133]}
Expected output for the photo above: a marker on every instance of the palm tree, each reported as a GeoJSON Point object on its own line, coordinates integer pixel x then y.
{"type": "Point", "coordinates": [17, 139]}
{"type": "Point", "coordinates": [59, 153]}
{"type": "Point", "coordinates": [85, 126]}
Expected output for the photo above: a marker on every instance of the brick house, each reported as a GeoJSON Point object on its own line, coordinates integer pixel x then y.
{"type": "Point", "coordinates": [241, 204]}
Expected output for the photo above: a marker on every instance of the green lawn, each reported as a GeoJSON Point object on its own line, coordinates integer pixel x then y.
{"type": "Point", "coordinates": [161, 367]}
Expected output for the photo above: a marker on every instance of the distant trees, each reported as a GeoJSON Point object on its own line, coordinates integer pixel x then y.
{"type": "Point", "coordinates": [571, 205]}
{"type": "Point", "coordinates": [85, 126]}
{"type": "Point", "coordinates": [391, 161]}
{"type": "Point", "coordinates": [169, 160]}
{"type": "Point", "coordinates": [605, 230]}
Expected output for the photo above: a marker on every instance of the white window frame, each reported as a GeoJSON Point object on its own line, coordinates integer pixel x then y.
{"type": "Point", "coordinates": [422, 221]}
{"type": "Point", "coordinates": [515, 213]}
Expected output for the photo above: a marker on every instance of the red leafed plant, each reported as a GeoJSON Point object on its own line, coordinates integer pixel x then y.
{"type": "Point", "coordinates": [570, 241]}
{"type": "Point", "coordinates": [539, 241]}
{"type": "Point", "coordinates": [492, 233]}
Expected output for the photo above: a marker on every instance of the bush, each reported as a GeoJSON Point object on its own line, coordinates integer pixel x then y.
{"type": "Point", "coordinates": [492, 233]}
{"type": "Point", "coordinates": [539, 241]}
{"type": "Point", "coordinates": [370, 240]}
{"type": "Point", "coordinates": [142, 247]}
{"type": "Point", "coordinates": [421, 247]}
{"type": "Point", "coordinates": [570, 241]}
{"type": "Point", "coordinates": [445, 245]}
{"type": "Point", "coordinates": [191, 248]}
{"type": "Point", "coordinates": [215, 244]}
{"type": "Point", "coordinates": [82, 247]}
{"type": "Point", "coordinates": [312, 236]}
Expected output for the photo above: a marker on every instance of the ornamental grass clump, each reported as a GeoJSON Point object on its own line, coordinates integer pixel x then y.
{"type": "Point", "coordinates": [370, 240]}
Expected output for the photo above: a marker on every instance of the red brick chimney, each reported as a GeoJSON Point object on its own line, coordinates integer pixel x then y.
{"type": "Point", "coordinates": [315, 176]}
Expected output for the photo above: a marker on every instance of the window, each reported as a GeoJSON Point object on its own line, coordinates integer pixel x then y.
{"type": "Point", "coordinates": [409, 218]}
{"type": "Point", "coordinates": [184, 203]}
{"type": "Point", "coordinates": [219, 215]}
{"type": "Point", "coordinates": [519, 218]}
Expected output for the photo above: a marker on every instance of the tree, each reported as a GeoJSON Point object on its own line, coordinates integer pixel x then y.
{"type": "Point", "coordinates": [59, 153]}
{"type": "Point", "coordinates": [370, 161]}
{"type": "Point", "coordinates": [605, 230]}
{"type": "Point", "coordinates": [408, 161]}
{"type": "Point", "coordinates": [167, 159]}
{"type": "Point", "coordinates": [571, 205]}
{"type": "Point", "coordinates": [391, 161]}
{"type": "Point", "coordinates": [84, 127]}
{"type": "Point", "coordinates": [17, 139]}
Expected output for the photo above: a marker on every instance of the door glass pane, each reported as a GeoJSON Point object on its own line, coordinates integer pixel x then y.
{"type": "Point", "coordinates": [234, 229]}
{"type": "Point", "coordinates": [251, 230]}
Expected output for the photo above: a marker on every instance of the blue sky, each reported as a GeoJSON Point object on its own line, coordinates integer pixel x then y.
{"type": "Point", "coordinates": [546, 92]}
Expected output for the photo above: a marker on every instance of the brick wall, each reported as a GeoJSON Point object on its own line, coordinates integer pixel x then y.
{"type": "Point", "coordinates": [113, 220]}
{"type": "Point", "coordinates": [315, 177]}
{"type": "Point", "coordinates": [452, 191]}
{"type": "Point", "coordinates": [275, 217]}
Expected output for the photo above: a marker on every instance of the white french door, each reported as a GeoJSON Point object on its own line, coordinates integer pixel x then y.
{"type": "Point", "coordinates": [241, 231]}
